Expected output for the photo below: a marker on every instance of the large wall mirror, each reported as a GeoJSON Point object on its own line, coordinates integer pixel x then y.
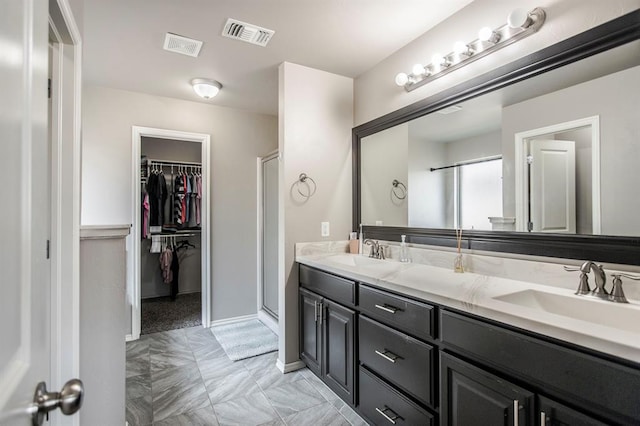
{"type": "Point", "coordinates": [542, 150]}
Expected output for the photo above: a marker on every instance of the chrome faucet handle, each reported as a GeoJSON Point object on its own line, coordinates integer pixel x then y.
{"type": "Point", "coordinates": [617, 294]}
{"type": "Point", "coordinates": [381, 248]}
{"type": "Point", "coordinates": [583, 287]}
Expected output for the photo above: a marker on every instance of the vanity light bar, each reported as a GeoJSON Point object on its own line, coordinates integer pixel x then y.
{"type": "Point", "coordinates": [520, 24]}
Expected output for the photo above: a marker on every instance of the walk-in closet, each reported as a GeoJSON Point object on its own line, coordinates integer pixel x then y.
{"type": "Point", "coordinates": [170, 249]}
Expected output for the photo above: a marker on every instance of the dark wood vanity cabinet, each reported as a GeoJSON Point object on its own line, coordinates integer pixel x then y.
{"type": "Point", "coordinates": [474, 397]}
{"type": "Point", "coordinates": [327, 338]}
{"type": "Point", "coordinates": [403, 361]}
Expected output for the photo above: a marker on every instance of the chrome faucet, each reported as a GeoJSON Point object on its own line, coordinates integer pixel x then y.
{"type": "Point", "coordinates": [616, 294]}
{"type": "Point", "coordinates": [599, 276]}
{"type": "Point", "coordinates": [377, 251]}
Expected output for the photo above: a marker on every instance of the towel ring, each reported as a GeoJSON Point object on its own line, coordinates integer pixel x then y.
{"type": "Point", "coordinates": [399, 190]}
{"type": "Point", "coordinates": [303, 179]}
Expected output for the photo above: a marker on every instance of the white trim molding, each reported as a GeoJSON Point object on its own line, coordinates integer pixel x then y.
{"type": "Point", "coordinates": [133, 276]}
{"type": "Point", "coordinates": [101, 232]}
{"type": "Point", "coordinates": [521, 160]}
{"type": "Point", "coordinates": [233, 320]}
{"type": "Point", "coordinates": [289, 367]}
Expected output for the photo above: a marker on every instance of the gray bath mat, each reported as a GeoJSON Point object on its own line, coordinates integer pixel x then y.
{"type": "Point", "coordinates": [245, 339]}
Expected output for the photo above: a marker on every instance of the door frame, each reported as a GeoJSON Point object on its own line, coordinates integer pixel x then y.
{"type": "Point", "coordinates": [133, 245]}
{"type": "Point", "coordinates": [522, 180]}
{"type": "Point", "coordinates": [264, 316]}
{"type": "Point", "coordinates": [66, 143]}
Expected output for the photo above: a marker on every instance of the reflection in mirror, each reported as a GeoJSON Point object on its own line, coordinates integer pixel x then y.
{"type": "Point", "coordinates": [555, 153]}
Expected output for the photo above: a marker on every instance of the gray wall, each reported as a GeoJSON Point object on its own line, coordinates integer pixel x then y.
{"type": "Point", "coordinates": [427, 195]}
{"type": "Point", "coordinates": [376, 93]}
{"type": "Point", "coordinates": [102, 329]}
{"type": "Point", "coordinates": [610, 98]}
{"type": "Point", "coordinates": [237, 139]}
{"type": "Point", "coordinates": [316, 117]}
{"type": "Point", "coordinates": [384, 158]}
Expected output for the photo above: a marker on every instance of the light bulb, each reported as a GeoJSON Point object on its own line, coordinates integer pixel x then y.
{"type": "Point", "coordinates": [417, 70]}
{"type": "Point", "coordinates": [460, 47]}
{"type": "Point", "coordinates": [402, 79]}
{"type": "Point", "coordinates": [437, 59]}
{"type": "Point", "coordinates": [519, 18]}
{"type": "Point", "coordinates": [485, 34]}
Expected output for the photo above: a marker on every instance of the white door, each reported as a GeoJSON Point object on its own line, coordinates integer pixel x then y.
{"type": "Point", "coordinates": [552, 196]}
{"type": "Point", "coordinates": [25, 329]}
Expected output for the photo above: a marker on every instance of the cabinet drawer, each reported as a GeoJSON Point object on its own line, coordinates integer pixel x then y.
{"type": "Point", "coordinates": [335, 288]}
{"type": "Point", "coordinates": [402, 360]}
{"type": "Point", "coordinates": [606, 388]}
{"type": "Point", "coordinates": [382, 405]}
{"type": "Point", "coordinates": [408, 315]}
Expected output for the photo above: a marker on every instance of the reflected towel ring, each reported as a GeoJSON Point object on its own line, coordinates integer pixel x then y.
{"type": "Point", "coordinates": [399, 190]}
{"type": "Point", "coordinates": [303, 178]}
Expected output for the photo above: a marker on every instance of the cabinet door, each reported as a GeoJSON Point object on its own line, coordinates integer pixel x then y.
{"type": "Point", "coordinates": [339, 357]}
{"type": "Point", "coordinates": [310, 335]}
{"type": "Point", "coordinates": [555, 414]}
{"type": "Point", "coordinates": [471, 396]}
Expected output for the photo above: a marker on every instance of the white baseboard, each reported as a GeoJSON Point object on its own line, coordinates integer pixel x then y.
{"type": "Point", "coordinates": [269, 321]}
{"type": "Point", "coordinates": [233, 320]}
{"type": "Point", "coordinates": [289, 367]}
{"type": "Point", "coordinates": [129, 338]}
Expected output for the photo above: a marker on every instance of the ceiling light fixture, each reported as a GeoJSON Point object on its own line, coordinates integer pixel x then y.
{"type": "Point", "coordinates": [520, 24]}
{"type": "Point", "coordinates": [206, 88]}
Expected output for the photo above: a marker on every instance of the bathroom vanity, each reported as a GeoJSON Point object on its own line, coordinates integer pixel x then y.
{"type": "Point", "coordinates": [416, 344]}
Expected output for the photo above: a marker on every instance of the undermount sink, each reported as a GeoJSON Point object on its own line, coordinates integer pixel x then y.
{"type": "Point", "coordinates": [620, 316]}
{"type": "Point", "coordinates": [354, 260]}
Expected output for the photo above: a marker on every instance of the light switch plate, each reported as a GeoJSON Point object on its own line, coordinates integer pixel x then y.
{"type": "Point", "coordinates": [324, 229]}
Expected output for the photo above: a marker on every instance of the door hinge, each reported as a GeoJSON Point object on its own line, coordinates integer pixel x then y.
{"type": "Point", "coordinates": [530, 226]}
{"type": "Point", "coordinates": [48, 88]}
{"type": "Point", "coordinates": [48, 249]}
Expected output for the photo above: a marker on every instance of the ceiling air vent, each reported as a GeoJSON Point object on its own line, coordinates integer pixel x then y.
{"type": "Point", "coordinates": [179, 44]}
{"type": "Point", "coordinates": [247, 32]}
{"type": "Point", "coordinates": [449, 110]}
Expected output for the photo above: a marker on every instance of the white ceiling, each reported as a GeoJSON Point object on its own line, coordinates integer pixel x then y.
{"type": "Point", "coordinates": [123, 42]}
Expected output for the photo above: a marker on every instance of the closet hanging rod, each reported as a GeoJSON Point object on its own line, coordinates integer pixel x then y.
{"type": "Point", "coordinates": [173, 163]}
{"type": "Point", "coordinates": [177, 235]}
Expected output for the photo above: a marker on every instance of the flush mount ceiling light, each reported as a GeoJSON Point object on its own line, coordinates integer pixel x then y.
{"type": "Point", "coordinates": [206, 88]}
{"type": "Point", "coordinates": [520, 24]}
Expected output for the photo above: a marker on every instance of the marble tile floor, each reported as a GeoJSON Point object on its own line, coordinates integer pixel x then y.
{"type": "Point", "coordinates": [183, 377]}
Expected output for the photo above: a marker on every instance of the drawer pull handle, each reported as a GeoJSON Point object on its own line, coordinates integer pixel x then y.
{"type": "Point", "coordinates": [391, 418]}
{"type": "Point", "coordinates": [387, 308]}
{"type": "Point", "coordinates": [543, 418]}
{"type": "Point", "coordinates": [516, 408]}
{"type": "Point", "coordinates": [388, 355]}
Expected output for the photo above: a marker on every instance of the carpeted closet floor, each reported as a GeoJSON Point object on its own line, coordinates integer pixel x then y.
{"type": "Point", "coordinates": [162, 314]}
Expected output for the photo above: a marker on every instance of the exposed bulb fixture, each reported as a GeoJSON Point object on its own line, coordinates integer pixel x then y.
{"type": "Point", "coordinates": [520, 24]}
{"type": "Point", "coordinates": [486, 34]}
{"type": "Point", "coordinates": [418, 69]}
{"type": "Point", "coordinates": [206, 88]}
{"type": "Point", "coordinates": [519, 18]}
{"type": "Point", "coordinates": [460, 48]}
{"type": "Point", "coordinates": [402, 79]}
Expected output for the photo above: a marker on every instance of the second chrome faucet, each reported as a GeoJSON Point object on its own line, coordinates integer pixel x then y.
{"type": "Point", "coordinates": [600, 277]}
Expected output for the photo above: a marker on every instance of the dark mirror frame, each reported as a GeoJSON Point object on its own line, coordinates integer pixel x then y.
{"type": "Point", "coordinates": [612, 249]}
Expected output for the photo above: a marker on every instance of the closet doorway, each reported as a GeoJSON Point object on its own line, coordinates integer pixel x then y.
{"type": "Point", "coordinates": [169, 284]}
{"type": "Point", "coordinates": [269, 252]}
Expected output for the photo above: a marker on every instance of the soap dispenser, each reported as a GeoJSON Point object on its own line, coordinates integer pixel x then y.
{"type": "Point", "coordinates": [404, 250]}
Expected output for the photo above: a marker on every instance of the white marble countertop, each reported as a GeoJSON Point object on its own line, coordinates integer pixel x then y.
{"type": "Point", "coordinates": [617, 335]}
